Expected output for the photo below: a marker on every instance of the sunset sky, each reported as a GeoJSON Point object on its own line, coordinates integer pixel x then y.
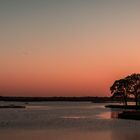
{"type": "Point", "coordinates": [67, 47]}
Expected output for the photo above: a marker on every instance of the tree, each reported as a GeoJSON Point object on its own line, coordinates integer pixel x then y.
{"type": "Point", "coordinates": [129, 85]}
{"type": "Point", "coordinates": [119, 88]}
{"type": "Point", "coordinates": [134, 86]}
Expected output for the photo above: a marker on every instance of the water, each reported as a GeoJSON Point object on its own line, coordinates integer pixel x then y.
{"type": "Point", "coordinates": [65, 121]}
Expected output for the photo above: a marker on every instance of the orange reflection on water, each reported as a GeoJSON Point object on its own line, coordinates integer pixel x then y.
{"type": "Point", "coordinates": [109, 115]}
{"type": "Point", "coordinates": [73, 117]}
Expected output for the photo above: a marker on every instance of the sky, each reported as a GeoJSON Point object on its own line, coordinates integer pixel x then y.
{"type": "Point", "coordinates": [67, 47]}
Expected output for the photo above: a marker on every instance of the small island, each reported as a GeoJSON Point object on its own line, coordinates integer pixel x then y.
{"type": "Point", "coordinates": [12, 106]}
{"type": "Point", "coordinates": [126, 89]}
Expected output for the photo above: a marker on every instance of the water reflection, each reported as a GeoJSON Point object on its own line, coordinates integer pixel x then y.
{"type": "Point", "coordinates": [125, 135]}
{"type": "Point", "coordinates": [73, 117]}
{"type": "Point", "coordinates": [66, 121]}
{"type": "Point", "coordinates": [54, 135]}
{"type": "Point", "coordinates": [67, 134]}
{"type": "Point", "coordinates": [112, 114]}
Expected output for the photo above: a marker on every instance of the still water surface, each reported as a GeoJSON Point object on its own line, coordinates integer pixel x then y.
{"type": "Point", "coordinates": [66, 121]}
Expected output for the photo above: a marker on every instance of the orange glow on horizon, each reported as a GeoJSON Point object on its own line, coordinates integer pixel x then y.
{"type": "Point", "coordinates": [71, 49]}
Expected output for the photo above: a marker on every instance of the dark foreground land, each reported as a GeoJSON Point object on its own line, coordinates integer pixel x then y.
{"type": "Point", "coordinates": [123, 107]}
{"type": "Point", "coordinates": [131, 111]}
{"type": "Point", "coordinates": [133, 115]}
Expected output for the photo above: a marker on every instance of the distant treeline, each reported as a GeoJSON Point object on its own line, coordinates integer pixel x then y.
{"type": "Point", "coordinates": [82, 99]}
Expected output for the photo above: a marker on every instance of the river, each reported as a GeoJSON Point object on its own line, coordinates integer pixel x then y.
{"type": "Point", "coordinates": [65, 121]}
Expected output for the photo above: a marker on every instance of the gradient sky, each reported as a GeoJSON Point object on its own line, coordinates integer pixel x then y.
{"type": "Point", "coordinates": [67, 47]}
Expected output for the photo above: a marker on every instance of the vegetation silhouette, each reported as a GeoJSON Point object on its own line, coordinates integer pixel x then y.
{"type": "Point", "coordinates": [119, 88]}
{"type": "Point", "coordinates": [134, 86]}
{"type": "Point", "coordinates": [61, 98]}
{"type": "Point", "coordinates": [127, 87]}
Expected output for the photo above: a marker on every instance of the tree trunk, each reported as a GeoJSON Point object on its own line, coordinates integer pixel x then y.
{"type": "Point", "coordinates": [136, 100]}
{"type": "Point", "coordinates": [125, 100]}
